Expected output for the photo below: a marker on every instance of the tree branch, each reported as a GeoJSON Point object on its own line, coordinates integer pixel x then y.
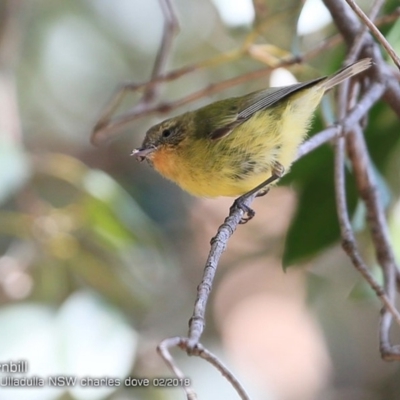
{"type": "Point", "coordinates": [202, 352]}
{"type": "Point", "coordinates": [350, 247]}
{"type": "Point", "coordinates": [171, 27]}
{"type": "Point", "coordinates": [365, 182]}
{"type": "Point", "coordinates": [375, 31]}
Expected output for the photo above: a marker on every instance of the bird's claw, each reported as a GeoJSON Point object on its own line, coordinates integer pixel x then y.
{"type": "Point", "coordinates": [248, 213]}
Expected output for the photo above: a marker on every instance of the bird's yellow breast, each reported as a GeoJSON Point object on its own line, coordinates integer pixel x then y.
{"type": "Point", "coordinates": [235, 164]}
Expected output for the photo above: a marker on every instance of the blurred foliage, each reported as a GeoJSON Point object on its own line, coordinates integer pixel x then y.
{"type": "Point", "coordinates": [80, 219]}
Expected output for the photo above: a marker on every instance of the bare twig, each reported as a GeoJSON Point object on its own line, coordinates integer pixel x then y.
{"type": "Point", "coordinates": [214, 360]}
{"type": "Point", "coordinates": [171, 27]}
{"type": "Point", "coordinates": [100, 134]}
{"type": "Point", "coordinates": [375, 31]}
{"type": "Point", "coordinates": [106, 126]}
{"type": "Point", "coordinates": [359, 42]}
{"type": "Point", "coordinates": [349, 26]}
{"type": "Point", "coordinates": [366, 186]}
{"type": "Point", "coordinates": [202, 352]}
{"type": "Point", "coordinates": [218, 246]}
{"type": "Point", "coordinates": [163, 350]}
{"type": "Point", "coordinates": [348, 240]}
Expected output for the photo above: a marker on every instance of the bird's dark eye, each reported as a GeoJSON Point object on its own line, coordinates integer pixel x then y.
{"type": "Point", "coordinates": [166, 133]}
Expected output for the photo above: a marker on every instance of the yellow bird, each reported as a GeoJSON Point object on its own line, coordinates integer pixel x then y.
{"type": "Point", "coordinates": [231, 146]}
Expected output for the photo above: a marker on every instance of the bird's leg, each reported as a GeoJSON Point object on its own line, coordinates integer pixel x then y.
{"type": "Point", "coordinates": [261, 190]}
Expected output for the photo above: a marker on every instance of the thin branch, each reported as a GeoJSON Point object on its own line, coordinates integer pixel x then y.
{"type": "Point", "coordinates": [214, 360]}
{"type": "Point", "coordinates": [171, 27]}
{"type": "Point", "coordinates": [375, 9]}
{"type": "Point", "coordinates": [349, 243]}
{"type": "Point", "coordinates": [163, 351]}
{"type": "Point", "coordinates": [345, 20]}
{"type": "Point", "coordinates": [218, 246]}
{"type": "Point", "coordinates": [363, 39]}
{"type": "Point", "coordinates": [366, 186]}
{"type": "Point", "coordinates": [105, 127]}
{"type": "Point", "coordinates": [349, 26]}
{"type": "Point", "coordinates": [359, 42]}
{"type": "Point", "coordinates": [151, 89]}
{"type": "Point", "coordinates": [365, 183]}
{"type": "Point", "coordinates": [375, 31]}
{"type": "Point", "coordinates": [202, 352]}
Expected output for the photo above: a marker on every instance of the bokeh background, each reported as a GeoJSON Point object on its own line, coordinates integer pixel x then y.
{"type": "Point", "coordinates": [100, 256]}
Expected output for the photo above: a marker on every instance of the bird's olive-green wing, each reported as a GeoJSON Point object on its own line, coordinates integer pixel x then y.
{"type": "Point", "coordinates": [249, 104]}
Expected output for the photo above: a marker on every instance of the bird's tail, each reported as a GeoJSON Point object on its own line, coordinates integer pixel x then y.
{"type": "Point", "coordinates": [346, 72]}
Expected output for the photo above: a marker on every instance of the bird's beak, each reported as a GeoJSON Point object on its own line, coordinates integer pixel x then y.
{"type": "Point", "coordinates": [141, 154]}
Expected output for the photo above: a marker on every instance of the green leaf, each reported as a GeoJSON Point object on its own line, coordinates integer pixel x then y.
{"type": "Point", "coordinates": [315, 225]}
